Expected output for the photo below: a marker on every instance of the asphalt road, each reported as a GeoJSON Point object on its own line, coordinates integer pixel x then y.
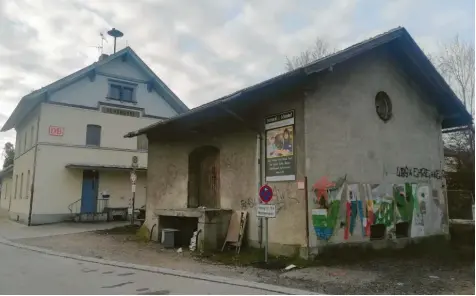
{"type": "Point", "coordinates": [28, 272]}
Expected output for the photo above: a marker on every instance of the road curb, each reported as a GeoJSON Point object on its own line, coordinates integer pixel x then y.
{"type": "Point", "coordinates": [166, 271]}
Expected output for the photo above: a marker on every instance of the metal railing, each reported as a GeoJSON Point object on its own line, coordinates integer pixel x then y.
{"type": "Point", "coordinates": [101, 204]}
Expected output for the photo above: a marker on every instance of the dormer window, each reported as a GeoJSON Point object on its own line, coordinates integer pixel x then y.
{"type": "Point", "coordinates": [121, 91]}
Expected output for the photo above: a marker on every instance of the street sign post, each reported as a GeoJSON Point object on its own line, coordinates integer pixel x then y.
{"type": "Point", "coordinates": [134, 165]}
{"type": "Point", "coordinates": [266, 211]}
{"type": "Point", "coordinates": [266, 193]}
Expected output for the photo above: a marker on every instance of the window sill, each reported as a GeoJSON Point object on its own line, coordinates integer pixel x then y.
{"type": "Point", "coordinates": [122, 101]}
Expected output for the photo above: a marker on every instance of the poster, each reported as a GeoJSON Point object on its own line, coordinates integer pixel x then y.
{"type": "Point", "coordinates": [280, 164]}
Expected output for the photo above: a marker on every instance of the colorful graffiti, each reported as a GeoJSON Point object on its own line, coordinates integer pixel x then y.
{"type": "Point", "coordinates": [327, 201]}
{"type": "Point", "coordinates": [372, 211]}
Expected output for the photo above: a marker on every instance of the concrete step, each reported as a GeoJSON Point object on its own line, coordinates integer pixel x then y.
{"type": "Point", "coordinates": [90, 217]}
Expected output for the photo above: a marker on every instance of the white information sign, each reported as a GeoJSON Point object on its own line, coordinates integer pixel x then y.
{"type": "Point", "coordinates": [266, 211]}
{"type": "Point", "coordinates": [133, 187]}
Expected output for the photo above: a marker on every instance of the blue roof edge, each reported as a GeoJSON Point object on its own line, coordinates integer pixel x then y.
{"type": "Point", "coordinates": [171, 98]}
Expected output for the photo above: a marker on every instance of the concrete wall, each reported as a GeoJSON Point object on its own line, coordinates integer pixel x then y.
{"type": "Point", "coordinates": [168, 171]}
{"type": "Point", "coordinates": [346, 138]}
{"type": "Point", "coordinates": [239, 180]}
{"type": "Point", "coordinates": [87, 93]}
{"type": "Point", "coordinates": [6, 192]}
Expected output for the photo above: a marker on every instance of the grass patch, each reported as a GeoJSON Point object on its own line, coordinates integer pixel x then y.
{"type": "Point", "coordinates": [430, 248]}
{"type": "Point", "coordinates": [253, 257]}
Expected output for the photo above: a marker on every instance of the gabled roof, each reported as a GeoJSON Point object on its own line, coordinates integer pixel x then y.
{"type": "Point", "coordinates": [401, 45]}
{"type": "Point", "coordinates": [30, 101]}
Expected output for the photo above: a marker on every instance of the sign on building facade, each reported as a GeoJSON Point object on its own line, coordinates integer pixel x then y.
{"type": "Point", "coordinates": [280, 161]}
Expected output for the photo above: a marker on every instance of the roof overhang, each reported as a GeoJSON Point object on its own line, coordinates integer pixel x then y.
{"type": "Point", "coordinates": [96, 167]}
{"type": "Point", "coordinates": [400, 45]}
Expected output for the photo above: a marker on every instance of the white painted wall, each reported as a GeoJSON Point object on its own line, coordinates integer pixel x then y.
{"type": "Point", "coordinates": [23, 165]}
{"type": "Point", "coordinates": [75, 121]}
{"type": "Point", "coordinates": [21, 194]}
{"type": "Point", "coordinates": [87, 93]}
{"type": "Point", "coordinates": [56, 186]}
{"type": "Point", "coordinates": [6, 192]}
{"type": "Point", "coordinates": [118, 186]}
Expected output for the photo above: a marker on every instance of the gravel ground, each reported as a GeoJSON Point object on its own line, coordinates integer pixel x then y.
{"type": "Point", "coordinates": [423, 275]}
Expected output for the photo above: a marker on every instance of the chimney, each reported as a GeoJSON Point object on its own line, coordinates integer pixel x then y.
{"type": "Point", "coordinates": [102, 57]}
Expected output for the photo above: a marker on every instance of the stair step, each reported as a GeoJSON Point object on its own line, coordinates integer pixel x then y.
{"type": "Point", "coordinates": [90, 217]}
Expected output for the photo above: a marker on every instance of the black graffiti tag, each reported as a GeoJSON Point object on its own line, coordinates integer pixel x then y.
{"type": "Point", "coordinates": [405, 172]}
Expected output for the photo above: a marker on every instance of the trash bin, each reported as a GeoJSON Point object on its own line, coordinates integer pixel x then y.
{"type": "Point", "coordinates": [169, 237]}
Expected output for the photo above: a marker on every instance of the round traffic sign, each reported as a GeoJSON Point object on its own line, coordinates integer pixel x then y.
{"type": "Point", "coordinates": [266, 193]}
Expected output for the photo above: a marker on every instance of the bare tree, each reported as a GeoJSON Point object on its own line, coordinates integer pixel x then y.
{"type": "Point", "coordinates": [455, 62]}
{"type": "Point", "coordinates": [320, 49]}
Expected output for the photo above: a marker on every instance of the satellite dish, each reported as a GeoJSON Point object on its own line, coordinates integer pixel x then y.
{"type": "Point", "coordinates": [116, 34]}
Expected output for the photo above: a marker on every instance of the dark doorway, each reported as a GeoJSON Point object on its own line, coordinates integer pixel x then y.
{"type": "Point", "coordinates": [204, 177]}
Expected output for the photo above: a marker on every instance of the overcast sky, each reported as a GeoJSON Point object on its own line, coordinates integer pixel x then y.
{"type": "Point", "coordinates": [206, 50]}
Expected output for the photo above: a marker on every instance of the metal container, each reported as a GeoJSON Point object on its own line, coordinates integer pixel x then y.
{"type": "Point", "coordinates": [169, 237]}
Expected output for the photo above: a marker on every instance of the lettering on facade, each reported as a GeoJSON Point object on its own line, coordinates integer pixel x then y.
{"type": "Point", "coordinates": [56, 131]}
{"type": "Point", "coordinates": [405, 172]}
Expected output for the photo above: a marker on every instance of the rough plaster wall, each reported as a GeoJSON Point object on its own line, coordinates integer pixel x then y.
{"type": "Point", "coordinates": [168, 176]}
{"type": "Point", "coordinates": [345, 137]}
{"type": "Point", "coordinates": [168, 172]}
{"type": "Point", "coordinates": [288, 228]}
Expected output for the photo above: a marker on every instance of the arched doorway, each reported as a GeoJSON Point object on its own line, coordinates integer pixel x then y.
{"type": "Point", "coordinates": [204, 177]}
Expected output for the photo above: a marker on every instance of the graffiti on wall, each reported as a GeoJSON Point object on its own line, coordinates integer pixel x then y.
{"type": "Point", "coordinates": [327, 200]}
{"type": "Point", "coordinates": [406, 172]}
{"type": "Point", "coordinates": [354, 212]}
{"type": "Point", "coordinates": [248, 203]}
{"type": "Point", "coordinates": [284, 195]}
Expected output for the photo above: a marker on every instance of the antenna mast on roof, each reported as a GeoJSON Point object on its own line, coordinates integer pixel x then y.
{"type": "Point", "coordinates": [100, 47]}
{"type": "Point", "coordinates": [116, 34]}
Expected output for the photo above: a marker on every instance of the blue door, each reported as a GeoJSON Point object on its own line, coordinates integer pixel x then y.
{"type": "Point", "coordinates": [89, 192]}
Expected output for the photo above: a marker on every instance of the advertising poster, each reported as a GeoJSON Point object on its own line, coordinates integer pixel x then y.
{"type": "Point", "coordinates": [280, 164]}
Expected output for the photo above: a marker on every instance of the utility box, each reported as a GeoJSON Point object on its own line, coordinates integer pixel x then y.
{"type": "Point", "coordinates": [169, 236]}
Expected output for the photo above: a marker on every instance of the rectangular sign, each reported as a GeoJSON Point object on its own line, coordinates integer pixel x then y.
{"type": "Point", "coordinates": [266, 211]}
{"type": "Point", "coordinates": [280, 161]}
{"type": "Point", "coordinates": [56, 131]}
{"type": "Point", "coordinates": [279, 120]}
